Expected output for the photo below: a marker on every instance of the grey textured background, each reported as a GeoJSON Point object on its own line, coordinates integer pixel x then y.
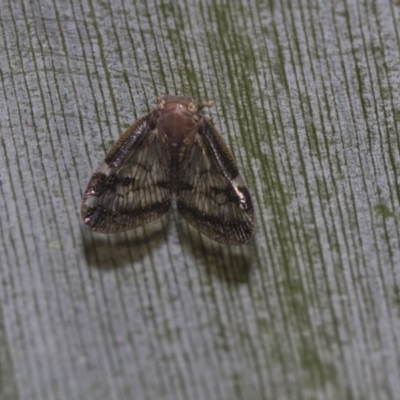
{"type": "Point", "coordinates": [307, 94]}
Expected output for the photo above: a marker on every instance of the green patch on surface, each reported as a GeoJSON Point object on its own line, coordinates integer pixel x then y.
{"type": "Point", "coordinates": [383, 211]}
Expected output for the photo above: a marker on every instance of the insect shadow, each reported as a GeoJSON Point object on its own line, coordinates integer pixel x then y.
{"type": "Point", "coordinates": [231, 264]}
{"type": "Point", "coordinates": [113, 251]}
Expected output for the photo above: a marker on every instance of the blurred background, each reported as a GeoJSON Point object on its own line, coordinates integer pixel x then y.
{"type": "Point", "coordinates": [307, 96]}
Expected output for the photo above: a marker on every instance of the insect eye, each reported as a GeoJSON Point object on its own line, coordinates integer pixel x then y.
{"type": "Point", "coordinates": [161, 103]}
{"type": "Point", "coordinates": [192, 107]}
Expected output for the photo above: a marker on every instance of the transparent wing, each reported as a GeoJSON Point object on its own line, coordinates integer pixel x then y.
{"type": "Point", "coordinates": [211, 194]}
{"type": "Point", "coordinates": [132, 186]}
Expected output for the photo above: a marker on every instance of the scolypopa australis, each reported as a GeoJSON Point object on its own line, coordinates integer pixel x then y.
{"type": "Point", "coordinates": [172, 154]}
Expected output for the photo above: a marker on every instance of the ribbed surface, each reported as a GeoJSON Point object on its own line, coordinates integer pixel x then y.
{"type": "Point", "coordinates": [307, 94]}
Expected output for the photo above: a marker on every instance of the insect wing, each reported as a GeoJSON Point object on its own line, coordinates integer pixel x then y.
{"type": "Point", "coordinates": [211, 194]}
{"type": "Point", "coordinates": [132, 186]}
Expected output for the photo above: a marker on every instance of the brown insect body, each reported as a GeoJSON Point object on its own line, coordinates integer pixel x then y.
{"type": "Point", "coordinates": [173, 151]}
{"type": "Point", "coordinates": [176, 126]}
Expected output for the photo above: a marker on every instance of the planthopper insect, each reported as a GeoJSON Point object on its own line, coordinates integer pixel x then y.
{"type": "Point", "coordinates": [173, 153]}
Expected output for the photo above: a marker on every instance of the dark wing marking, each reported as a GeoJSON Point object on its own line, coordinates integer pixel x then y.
{"type": "Point", "coordinates": [132, 186]}
{"type": "Point", "coordinates": [211, 194]}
